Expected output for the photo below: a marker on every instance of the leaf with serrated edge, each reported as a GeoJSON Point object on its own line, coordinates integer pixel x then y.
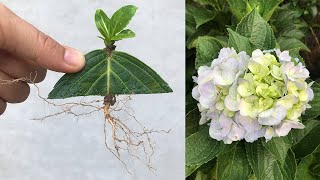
{"type": "Point", "coordinates": [233, 165]}
{"type": "Point", "coordinates": [238, 42]}
{"type": "Point", "coordinates": [279, 147]}
{"type": "Point", "coordinates": [118, 73]}
{"type": "Point", "coordinates": [201, 148]}
{"type": "Point", "coordinates": [259, 32]}
{"type": "Point", "coordinates": [207, 50]}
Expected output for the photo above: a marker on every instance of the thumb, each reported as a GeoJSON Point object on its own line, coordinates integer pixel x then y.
{"type": "Point", "coordinates": [22, 39]}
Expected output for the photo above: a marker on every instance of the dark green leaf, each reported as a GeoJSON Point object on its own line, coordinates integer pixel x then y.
{"type": "Point", "coordinates": [118, 73]}
{"type": "Point", "coordinates": [233, 164]}
{"type": "Point", "coordinates": [127, 33]}
{"type": "Point", "coordinates": [257, 30]}
{"type": "Point", "coordinates": [192, 120]}
{"type": "Point", "coordinates": [207, 50]}
{"type": "Point", "coordinates": [200, 14]}
{"type": "Point", "coordinates": [304, 170]}
{"type": "Point", "coordinates": [201, 148]}
{"type": "Point", "coordinates": [121, 18]}
{"type": "Point", "coordinates": [313, 112]}
{"type": "Point", "coordinates": [190, 170]}
{"type": "Point", "coordinates": [279, 147]}
{"type": "Point", "coordinates": [239, 43]}
{"type": "Point", "coordinates": [103, 23]}
{"type": "Point", "coordinates": [308, 143]}
{"type": "Point", "coordinates": [299, 134]}
{"type": "Point", "coordinates": [286, 43]}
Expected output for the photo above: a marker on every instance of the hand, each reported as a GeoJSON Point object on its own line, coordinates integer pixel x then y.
{"type": "Point", "coordinates": [26, 51]}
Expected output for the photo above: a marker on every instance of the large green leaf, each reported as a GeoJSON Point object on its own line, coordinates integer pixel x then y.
{"type": "Point", "coordinates": [259, 32]}
{"type": "Point", "coordinates": [191, 169]}
{"type": "Point", "coordinates": [201, 148]}
{"type": "Point", "coordinates": [240, 8]}
{"type": "Point", "coordinates": [315, 104]}
{"type": "Point", "coordinates": [233, 165]}
{"type": "Point", "coordinates": [239, 43]}
{"type": "Point", "coordinates": [207, 50]}
{"type": "Point", "coordinates": [306, 166]}
{"type": "Point", "coordinates": [289, 44]}
{"type": "Point", "coordinates": [118, 73]}
{"type": "Point", "coordinates": [299, 134]}
{"type": "Point", "coordinates": [279, 147]}
{"type": "Point", "coordinates": [265, 165]}
{"type": "Point", "coordinates": [121, 18]}
{"type": "Point", "coordinates": [308, 143]}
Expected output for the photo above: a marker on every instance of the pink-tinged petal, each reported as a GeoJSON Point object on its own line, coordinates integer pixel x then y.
{"type": "Point", "coordinates": [284, 128]}
{"type": "Point", "coordinates": [255, 135]}
{"type": "Point", "coordinates": [249, 124]}
{"type": "Point", "coordinates": [195, 93]}
{"type": "Point", "coordinates": [236, 133]}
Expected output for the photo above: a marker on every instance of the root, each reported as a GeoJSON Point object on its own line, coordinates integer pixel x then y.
{"type": "Point", "coordinates": [135, 141]}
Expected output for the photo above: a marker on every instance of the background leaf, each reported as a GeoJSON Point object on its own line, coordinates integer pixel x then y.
{"type": "Point", "coordinates": [200, 14]}
{"type": "Point", "coordinates": [192, 119]}
{"type": "Point", "coordinates": [207, 50]}
{"type": "Point", "coordinates": [233, 165]}
{"type": "Point", "coordinates": [304, 170]}
{"type": "Point", "coordinates": [118, 73]}
{"type": "Point", "coordinates": [289, 44]}
{"type": "Point", "coordinates": [201, 148]}
{"type": "Point", "coordinates": [259, 32]}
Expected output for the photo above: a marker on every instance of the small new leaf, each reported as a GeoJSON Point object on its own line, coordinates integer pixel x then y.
{"type": "Point", "coordinates": [127, 33]}
{"type": "Point", "coordinates": [121, 18]}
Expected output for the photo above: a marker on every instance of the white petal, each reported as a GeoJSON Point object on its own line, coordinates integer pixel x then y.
{"type": "Point", "coordinates": [284, 128]}
{"type": "Point", "coordinates": [270, 132]}
{"type": "Point", "coordinates": [255, 135]}
{"type": "Point", "coordinates": [195, 93]}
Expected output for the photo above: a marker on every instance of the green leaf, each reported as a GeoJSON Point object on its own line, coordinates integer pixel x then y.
{"type": "Point", "coordinates": [191, 169]}
{"type": "Point", "coordinates": [240, 8]}
{"type": "Point", "coordinates": [233, 164]}
{"type": "Point", "coordinates": [201, 15]}
{"type": "Point", "coordinates": [201, 148]}
{"type": "Point", "coordinates": [293, 33]}
{"type": "Point", "coordinates": [118, 73]}
{"type": "Point", "coordinates": [304, 170]}
{"type": "Point", "coordinates": [308, 143]}
{"type": "Point", "coordinates": [279, 147]}
{"type": "Point", "coordinates": [299, 134]}
{"type": "Point", "coordinates": [265, 165]}
{"type": "Point", "coordinates": [127, 33]}
{"type": "Point", "coordinates": [239, 43]}
{"type": "Point", "coordinates": [257, 30]}
{"type": "Point", "coordinates": [121, 18]}
{"type": "Point", "coordinates": [103, 23]}
{"type": "Point", "coordinates": [192, 120]}
{"type": "Point", "coordinates": [289, 44]}
{"type": "Point", "coordinates": [207, 50]}
{"type": "Point", "coordinates": [314, 111]}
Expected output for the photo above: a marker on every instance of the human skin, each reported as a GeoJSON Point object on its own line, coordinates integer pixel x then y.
{"type": "Point", "coordinates": [26, 52]}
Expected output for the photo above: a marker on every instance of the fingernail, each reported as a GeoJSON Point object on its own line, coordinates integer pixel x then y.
{"type": "Point", "coordinates": [74, 57]}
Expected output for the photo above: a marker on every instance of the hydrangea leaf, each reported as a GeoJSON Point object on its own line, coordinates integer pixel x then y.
{"type": "Point", "coordinates": [191, 169]}
{"type": "Point", "coordinates": [313, 112]}
{"type": "Point", "coordinates": [308, 143]}
{"type": "Point", "coordinates": [200, 14]}
{"type": "Point", "coordinates": [238, 42]}
{"type": "Point", "coordinates": [207, 50]}
{"type": "Point", "coordinates": [118, 73]}
{"type": "Point", "coordinates": [289, 44]}
{"type": "Point", "coordinates": [233, 164]}
{"type": "Point", "coordinates": [279, 147]}
{"type": "Point", "coordinates": [192, 119]}
{"type": "Point", "coordinates": [306, 166]}
{"type": "Point", "coordinates": [241, 8]}
{"type": "Point", "coordinates": [265, 164]}
{"type": "Point", "coordinates": [259, 32]}
{"type": "Point", "coordinates": [201, 148]}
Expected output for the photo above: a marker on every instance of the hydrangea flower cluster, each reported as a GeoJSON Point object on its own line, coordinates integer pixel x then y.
{"type": "Point", "coordinates": [248, 98]}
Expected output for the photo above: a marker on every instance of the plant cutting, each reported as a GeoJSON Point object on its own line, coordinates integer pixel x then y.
{"type": "Point", "coordinates": [252, 108]}
{"type": "Point", "coordinates": [109, 74]}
